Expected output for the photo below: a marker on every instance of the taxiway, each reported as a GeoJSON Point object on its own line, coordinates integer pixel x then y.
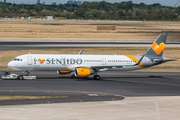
{"type": "Point", "coordinates": [128, 95]}
{"type": "Point", "coordinates": [115, 85]}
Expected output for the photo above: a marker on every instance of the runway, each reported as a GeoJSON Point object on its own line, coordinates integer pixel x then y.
{"type": "Point", "coordinates": [11, 45]}
{"type": "Point", "coordinates": [79, 22]}
{"type": "Point", "coordinates": [114, 85]}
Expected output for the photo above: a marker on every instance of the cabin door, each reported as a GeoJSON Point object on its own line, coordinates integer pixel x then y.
{"type": "Point", "coordinates": [29, 60]}
{"type": "Point", "coordinates": [104, 61]}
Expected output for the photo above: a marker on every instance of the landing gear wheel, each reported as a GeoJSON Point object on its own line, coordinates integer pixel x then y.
{"type": "Point", "coordinates": [20, 77]}
{"type": "Point", "coordinates": [97, 77]}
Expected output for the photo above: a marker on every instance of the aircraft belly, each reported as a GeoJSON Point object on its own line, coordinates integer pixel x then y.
{"type": "Point", "coordinates": [53, 68]}
{"type": "Point", "coordinates": [124, 68]}
{"type": "Point", "coordinates": [48, 67]}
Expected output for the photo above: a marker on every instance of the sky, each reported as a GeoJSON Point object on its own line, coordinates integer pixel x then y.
{"type": "Point", "coordinates": [162, 2]}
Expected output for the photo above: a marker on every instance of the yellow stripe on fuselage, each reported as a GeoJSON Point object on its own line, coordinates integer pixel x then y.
{"type": "Point", "coordinates": [141, 65]}
{"type": "Point", "coordinates": [135, 60]}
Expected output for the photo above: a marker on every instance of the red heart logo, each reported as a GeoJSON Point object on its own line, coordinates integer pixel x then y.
{"type": "Point", "coordinates": [41, 61]}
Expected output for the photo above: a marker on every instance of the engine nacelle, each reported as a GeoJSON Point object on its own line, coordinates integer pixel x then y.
{"type": "Point", "coordinates": [63, 72]}
{"type": "Point", "coordinates": [82, 72]}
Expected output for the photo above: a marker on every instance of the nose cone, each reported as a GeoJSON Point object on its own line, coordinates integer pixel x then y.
{"type": "Point", "coordinates": [10, 65]}
{"type": "Point", "coordinates": [13, 65]}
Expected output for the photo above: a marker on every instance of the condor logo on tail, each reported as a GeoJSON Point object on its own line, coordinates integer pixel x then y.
{"type": "Point", "coordinates": [158, 48]}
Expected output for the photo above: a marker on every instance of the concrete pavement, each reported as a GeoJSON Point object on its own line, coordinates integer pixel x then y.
{"type": "Point", "coordinates": [136, 108]}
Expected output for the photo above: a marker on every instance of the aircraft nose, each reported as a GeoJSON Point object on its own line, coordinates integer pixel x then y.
{"type": "Point", "coordinates": [10, 64]}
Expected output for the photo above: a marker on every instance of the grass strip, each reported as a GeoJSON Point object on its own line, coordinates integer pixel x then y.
{"type": "Point", "coordinates": [14, 98]}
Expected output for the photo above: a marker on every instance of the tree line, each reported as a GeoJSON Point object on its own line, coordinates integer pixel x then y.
{"type": "Point", "coordinates": [93, 10]}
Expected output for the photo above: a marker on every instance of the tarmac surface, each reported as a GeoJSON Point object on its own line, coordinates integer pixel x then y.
{"type": "Point", "coordinates": [112, 86]}
{"type": "Point", "coordinates": [18, 45]}
{"type": "Point", "coordinates": [117, 96]}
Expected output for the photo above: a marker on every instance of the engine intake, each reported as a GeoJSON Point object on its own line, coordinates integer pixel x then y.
{"type": "Point", "coordinates": [82, 72]}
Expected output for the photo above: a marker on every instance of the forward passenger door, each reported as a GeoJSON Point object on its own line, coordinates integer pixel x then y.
{"type": "Point", "coordinates": [29, 60]}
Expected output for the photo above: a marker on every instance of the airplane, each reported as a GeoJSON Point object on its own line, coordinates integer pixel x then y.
{"type": "Point", "coordinates": [86, 65]}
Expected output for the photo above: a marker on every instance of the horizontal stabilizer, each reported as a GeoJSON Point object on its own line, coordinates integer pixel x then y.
{"type": "Point", "coordinates": [164, 60]}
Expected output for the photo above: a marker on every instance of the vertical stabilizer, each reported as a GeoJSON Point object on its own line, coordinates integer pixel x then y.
{"type": "Point", "coordinates": [157, 48]}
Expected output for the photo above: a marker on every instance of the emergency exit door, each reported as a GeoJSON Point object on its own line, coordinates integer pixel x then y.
{"type": "Point", "coordinates": [104, 61]}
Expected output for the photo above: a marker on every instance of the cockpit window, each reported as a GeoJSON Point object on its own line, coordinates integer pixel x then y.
{"type": "Point", "coordinates": [17, 59]}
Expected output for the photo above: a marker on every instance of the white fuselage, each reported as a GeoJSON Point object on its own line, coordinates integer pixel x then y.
{"type": "Point", "coordinates": [59, 62]}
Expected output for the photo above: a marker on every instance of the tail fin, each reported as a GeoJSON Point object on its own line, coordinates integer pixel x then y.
{"type": "Point", "coordinates": [157, 48]}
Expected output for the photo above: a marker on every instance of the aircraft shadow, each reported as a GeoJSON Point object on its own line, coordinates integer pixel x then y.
{"type": "Point", "coordinates": [119, 78]}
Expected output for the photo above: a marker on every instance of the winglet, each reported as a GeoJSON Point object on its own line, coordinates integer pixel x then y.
{"type": "Point", "coordinates": [80, 52]}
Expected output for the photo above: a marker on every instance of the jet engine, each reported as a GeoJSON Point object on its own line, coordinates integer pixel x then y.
{"type": "Point", "coordinates": [82, 72]}
{"type": "Point", "coordinates": [63, 72]}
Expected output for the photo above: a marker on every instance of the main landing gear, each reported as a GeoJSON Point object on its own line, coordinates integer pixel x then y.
{"type": "Point", "coordinates": [97, 77]}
